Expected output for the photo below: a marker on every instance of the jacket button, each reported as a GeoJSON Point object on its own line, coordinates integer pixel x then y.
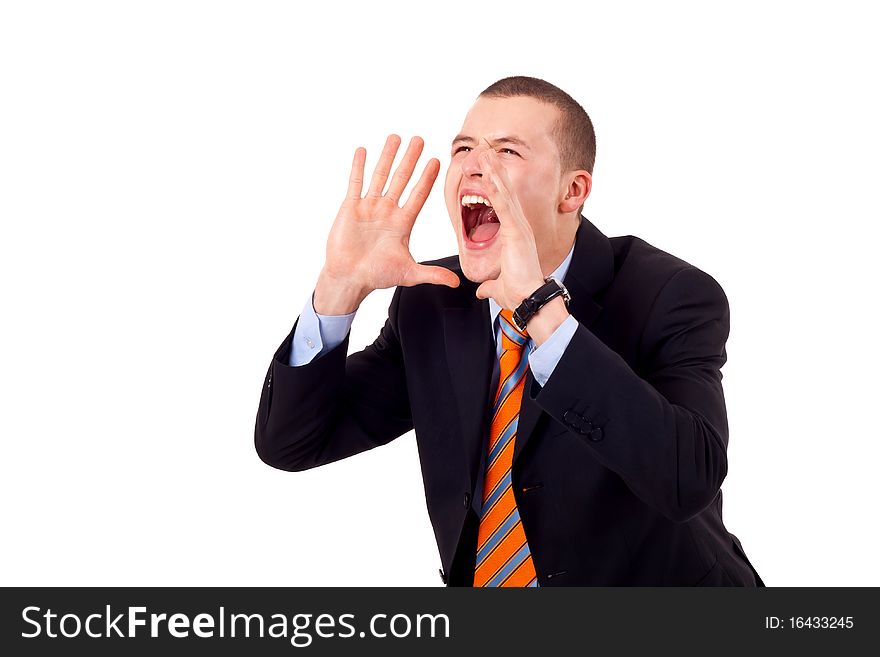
{"type": "Point", "coordinates": [467, 500]}
{"type": "Point", "coordinates": [596, 434]}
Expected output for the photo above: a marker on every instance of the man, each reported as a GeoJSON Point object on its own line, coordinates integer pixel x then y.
{"type": "Point", "coordinates": [569, 434]}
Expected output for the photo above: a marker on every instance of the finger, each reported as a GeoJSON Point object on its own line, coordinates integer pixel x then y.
{"type": "Point", "coordinates": [383, 167]}
{"type": "Point", "coordinates": [498, 171]}
{"type": "Point", "coordinates": [356, 179]}
{"type": "Point", "coordinates": [486, 289]}
{"type": "Point", "coordinates": [489, 166]}
{"type": "Point", "coordinates": [500, 190]}
{"type": "Point", "coordinates": [432, 275]}
{"type": "Point", "coordinates": [405, 170]}
{"type": "Point", "coordinates": [422, 188]}
{"type": "Point", "coordinates": [498, 195]}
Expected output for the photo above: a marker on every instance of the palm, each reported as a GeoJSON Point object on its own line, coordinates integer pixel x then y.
{"type": "Point", "coordinates": [369, 240]}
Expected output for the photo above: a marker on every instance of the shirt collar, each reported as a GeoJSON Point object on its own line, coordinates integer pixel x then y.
{"type": "Point", "coordinates": [558, 274]}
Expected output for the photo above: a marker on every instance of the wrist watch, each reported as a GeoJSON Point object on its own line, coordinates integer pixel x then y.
{"type": "Point", "coordinates": [551, 289]}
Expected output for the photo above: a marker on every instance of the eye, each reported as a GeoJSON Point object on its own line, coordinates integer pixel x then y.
{"type": "Point", "coordinates": [509, 150]}
{"type": "Point", "coordinates": [461, 148]}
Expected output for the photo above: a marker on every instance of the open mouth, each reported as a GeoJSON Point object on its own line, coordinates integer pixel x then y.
{"type": "Point", "coordinates": [478, 217]}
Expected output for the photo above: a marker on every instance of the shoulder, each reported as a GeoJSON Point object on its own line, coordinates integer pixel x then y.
{"type": "Point", "coordinates": [649, 271]}
{"type": "Point", "coordinates": [654, 293]}
{"type": "Point", "coordinates": [680, 307]}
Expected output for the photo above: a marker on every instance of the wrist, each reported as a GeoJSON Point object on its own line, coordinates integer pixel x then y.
{"type": "Point", "coordinates": [542, 312]}
{"type": "Point", "coordinates": [335, 296]}
{"type": "Point", "coordinates": [549, 317]}
{"type": "Point", "coordinates": [531, 288]}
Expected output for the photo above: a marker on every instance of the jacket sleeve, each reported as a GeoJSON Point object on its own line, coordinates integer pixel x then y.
{"type": "Point", "coordinates": [664, 430]}
{"type": "Point", "coordinates": [334, 406]}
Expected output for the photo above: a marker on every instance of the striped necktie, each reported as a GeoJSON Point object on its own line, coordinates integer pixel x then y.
{"type": "Point", "coordinates": [503, 557]}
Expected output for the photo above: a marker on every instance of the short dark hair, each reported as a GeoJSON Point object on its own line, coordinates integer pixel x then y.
{"type": "Point", "coordinates": [573, 132]}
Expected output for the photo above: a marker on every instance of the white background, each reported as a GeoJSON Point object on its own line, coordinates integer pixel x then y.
{"type": "Point", "coordinates": [169, 172]}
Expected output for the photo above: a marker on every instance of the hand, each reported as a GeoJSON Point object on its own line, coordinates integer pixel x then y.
{"type": "Point", "coordinates": [520, 266]}
{"type": "Point", "coordinates": [368, 245]}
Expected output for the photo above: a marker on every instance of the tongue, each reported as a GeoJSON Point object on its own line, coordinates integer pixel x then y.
{"type": "Point", "coordinates": [484, 232]}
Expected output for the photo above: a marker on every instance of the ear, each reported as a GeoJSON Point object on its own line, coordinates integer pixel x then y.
{"type": "Point", "coordinates": [577, 191]}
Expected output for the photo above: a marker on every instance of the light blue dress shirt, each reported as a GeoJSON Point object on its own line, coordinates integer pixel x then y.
{"type": "Point", "coordinates": [317, 334]}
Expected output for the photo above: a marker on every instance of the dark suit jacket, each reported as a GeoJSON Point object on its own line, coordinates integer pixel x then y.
{"type": "Point", "coordinates": [618, 459]}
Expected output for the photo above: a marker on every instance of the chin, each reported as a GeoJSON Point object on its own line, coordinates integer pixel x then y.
{"type": "Point", "coordinates": [477, 270]}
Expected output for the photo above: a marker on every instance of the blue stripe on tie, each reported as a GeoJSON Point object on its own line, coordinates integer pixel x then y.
{"type": "Point", "coordinates": [534, 583]}
{"type": "Point", "coordinates": [495, 538]}
{"type": "Point", "coordinates": [502, 382]}
{"type": "Point", "coordinates": [496, 494]}
{"type": "Point", "coordinates": [508, 318]}
{"type": "Point", "coordinates": [510, 566]}
{"type": "Point", "coordinates": [506, 436]}
{"type": "Point", "coordinates": [510, 384]}
{"type": "Point", "coordinates": [512, 334]}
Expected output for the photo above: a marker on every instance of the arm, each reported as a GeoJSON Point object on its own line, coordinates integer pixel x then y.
{"type": "Point", "coordinates": [333, 407]}
{"type": "Point", "coordinates": [664, 432]}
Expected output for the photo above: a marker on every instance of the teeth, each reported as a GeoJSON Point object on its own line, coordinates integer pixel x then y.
{"type": "Point", "coordinates": [473, 199]}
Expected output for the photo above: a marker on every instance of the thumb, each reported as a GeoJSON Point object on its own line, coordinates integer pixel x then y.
{"type": "Point", "coordinates": [431, 275]}
{"type": "Point", "coordinates": [486, 289]}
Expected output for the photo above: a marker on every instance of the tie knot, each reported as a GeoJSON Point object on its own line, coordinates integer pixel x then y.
{"type": "Point", "coordinates": [510, 330]}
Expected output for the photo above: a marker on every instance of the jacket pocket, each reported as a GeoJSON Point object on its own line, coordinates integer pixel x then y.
{"type": "Point", "coordinates": [265, 399]}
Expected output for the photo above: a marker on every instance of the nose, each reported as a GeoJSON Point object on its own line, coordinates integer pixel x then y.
{"type": "Point", "coordinates": [470, 165]}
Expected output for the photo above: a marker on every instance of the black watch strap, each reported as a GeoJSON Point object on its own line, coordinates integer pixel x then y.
{"type": "Point", "coordinates": [551, 289]}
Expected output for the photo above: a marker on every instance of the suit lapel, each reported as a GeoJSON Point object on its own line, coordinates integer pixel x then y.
{"type": "Point", "coordinates": [590, 271]}
{"type": "Point", "coordinates": [470, 353]}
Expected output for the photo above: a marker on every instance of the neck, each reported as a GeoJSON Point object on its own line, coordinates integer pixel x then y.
{"type": "Point", "coordinates": [562, 245]}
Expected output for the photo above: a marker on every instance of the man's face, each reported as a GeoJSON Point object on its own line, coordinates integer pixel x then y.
{"type": "Point", "coordinates": [520, 131]}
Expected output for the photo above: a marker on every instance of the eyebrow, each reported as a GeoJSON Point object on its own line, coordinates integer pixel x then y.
{"type": "Point", "coordinates": [499, 140]}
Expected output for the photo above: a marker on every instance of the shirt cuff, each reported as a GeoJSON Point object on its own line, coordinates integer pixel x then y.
{"type": "Point", "coordinates": [543, 359]}
{"type": "Point", "coordinates": [316, 334]}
